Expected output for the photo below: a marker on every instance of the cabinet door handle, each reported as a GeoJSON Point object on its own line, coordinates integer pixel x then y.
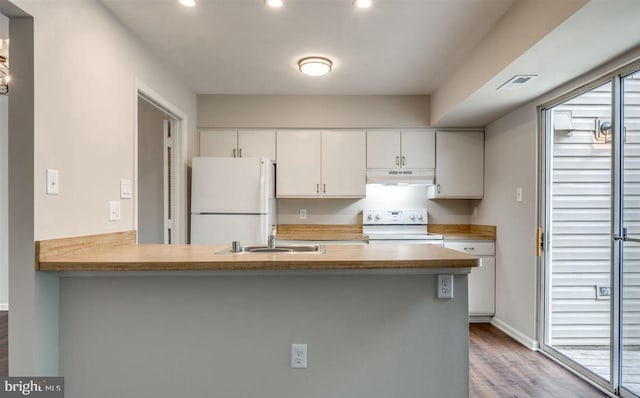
{"type": "Point", "coordinates": [397, 160]}
{"type": "Point", "coordinates": [469, 249]}
{"type": "Point", "coordinates": [438, 188]}
{"type": "Point", "coordinates": [240, 152]}
{"type": "Point", "coordinates": [317, 188]}
{"type": "Point", "coordinates": [324, 188]}
{"type": "Point", "coordinates": [234, 152]}
{"type": "Point", "coordinates": [403, 161]}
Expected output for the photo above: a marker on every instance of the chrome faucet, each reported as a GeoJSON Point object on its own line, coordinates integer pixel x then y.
{"type": "Point", "coordinates": [236, 247]}
{"type": "Point", "coordinates": [271, 241]}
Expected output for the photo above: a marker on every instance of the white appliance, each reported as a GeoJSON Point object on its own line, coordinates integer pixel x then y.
{"type": "Point", "coordinates": [398, 226]}
{"type": "Point", "coordinates": [232, 199]}
{"type": "Point", "coordinates": [401, 176]}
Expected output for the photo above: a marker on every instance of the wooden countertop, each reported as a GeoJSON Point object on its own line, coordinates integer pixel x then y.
{"type": "Point", "coordinates": [321, 232]}
{"type": "Point", "coordinates": [464, 231]}
{"type": "Point", "coordinates": [93, 254]}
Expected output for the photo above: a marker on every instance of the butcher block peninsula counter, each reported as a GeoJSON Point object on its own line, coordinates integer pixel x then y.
{"type": "Point", "coordinates": [223, 324]}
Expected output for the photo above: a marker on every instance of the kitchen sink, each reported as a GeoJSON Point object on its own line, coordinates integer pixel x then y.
{"type": "Point", "coordinates": [278, 249]}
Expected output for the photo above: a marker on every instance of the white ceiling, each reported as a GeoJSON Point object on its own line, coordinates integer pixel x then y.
{"type": "Point", "coordinates": [245, 47]}
{"type": "Point", "coordinates": [456, 51]}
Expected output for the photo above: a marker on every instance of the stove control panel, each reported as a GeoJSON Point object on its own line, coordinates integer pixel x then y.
{"type": "Point", "coordinates": [394, 217]}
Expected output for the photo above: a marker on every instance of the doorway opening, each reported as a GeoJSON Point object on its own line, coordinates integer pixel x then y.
{"type": "Point", "coordinates": [160, 211]}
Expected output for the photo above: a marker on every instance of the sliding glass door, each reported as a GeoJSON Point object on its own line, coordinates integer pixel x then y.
{"type": "Point", "coordinates": [591, 224]}
{"type": "Point", "coordinates": [579, 253]}
{"type": "Point", "coordinates": [630, 237]}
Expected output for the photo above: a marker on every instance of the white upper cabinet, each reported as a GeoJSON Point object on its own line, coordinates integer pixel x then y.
{"type": "Point", "coordinates": [389, 149]}
{"type": "Point", "coordinates": [344, 163]}
{"type": "Point", "coordinates": [238, 143]}
{"type": "Point", "coordinates": [315, 163]}
{"type": "Point", "coordinates": [418, 149]}
{"type": "Point", "coordinates": [257, 144]}
{"type": "Point", "coordinates": [219, 143]}
{"type": "Point", "coordinates": [383, 149]}
{"type": "Point", "coordinates": [459, 165]}
{"type": "Point", "coordinates": [298, 170]}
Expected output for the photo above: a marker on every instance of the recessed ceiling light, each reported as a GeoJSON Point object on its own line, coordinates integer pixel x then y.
{"type": "Point", "coordinates": [274, 3]}
{"type": "Point", "coordinates": [362, 3]}
{"type": "Point", "coordinates": [315, 66]}
{"type": "Point", "coordinates": [188, 3]}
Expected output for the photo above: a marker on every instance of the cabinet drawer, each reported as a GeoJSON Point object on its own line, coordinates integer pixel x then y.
{"type": "Point", "coordinates": [476, 247]}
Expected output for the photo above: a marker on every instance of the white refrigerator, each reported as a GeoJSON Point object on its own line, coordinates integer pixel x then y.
{"type": "Point", "coordinates": [232, 199]}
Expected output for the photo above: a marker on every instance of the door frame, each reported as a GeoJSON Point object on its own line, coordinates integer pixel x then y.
{"type": "Point", "coordinates": [614, 76]}
{"type": "Point", "coordinates": [179, 158]}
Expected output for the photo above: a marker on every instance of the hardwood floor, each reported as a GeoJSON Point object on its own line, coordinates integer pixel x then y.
{"type": "Point", "coordinates": [4, 332]}
{"type": "Point", "coordinates": [502, 367]}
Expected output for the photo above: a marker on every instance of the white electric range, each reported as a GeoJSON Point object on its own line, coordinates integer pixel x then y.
{"type": "Point", "coordinates": [398, 226]}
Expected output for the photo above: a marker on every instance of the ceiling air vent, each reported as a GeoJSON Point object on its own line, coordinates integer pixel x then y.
{"type": "Point", "coordinates": [517, 81]}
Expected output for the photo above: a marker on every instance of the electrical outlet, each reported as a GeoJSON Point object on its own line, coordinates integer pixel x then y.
{"type": "Point", "coordinates": [445, 286]}
{"type": "Point", "coordinates": [303, 214]}
{"type": "Point", "coordinates": [298, 356]}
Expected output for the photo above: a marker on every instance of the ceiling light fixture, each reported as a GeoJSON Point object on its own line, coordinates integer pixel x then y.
{"type": "Point", "coordinates": [315, 66]}
{"type": "Point", "coordinates": [188, 3]}
{"type": "Point", "coordinates": [274, 3]}
{"type": "Point", "coordinates": [362, 3]}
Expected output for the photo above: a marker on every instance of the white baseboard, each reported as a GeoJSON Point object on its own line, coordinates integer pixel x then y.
{"type": "Point", "coordinates": [480, 318]}
{"type": "Point", "coordinates": [516, 334]}
{"type": "Point", "coordinates": [4, 307]}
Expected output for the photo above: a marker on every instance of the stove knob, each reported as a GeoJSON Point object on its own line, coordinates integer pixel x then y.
{"type": "Point", "coordinates": [370, 217]}
{"type": "Point", "coordinates": [420, 217]}
{"type": "Point", "coordinates": [412, 217]}
{"type": "Point", "coordinates": [377, 217]}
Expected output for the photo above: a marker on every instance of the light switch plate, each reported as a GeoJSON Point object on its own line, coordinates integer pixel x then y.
{"type": "Point", "coordinates": [53, 182]}
{"type": "Point", "coordinates": [519, 194]}
{"type": "Point", "coordinates": [125, 189]}
{"type": "Point", "coordinates": [114, 210]}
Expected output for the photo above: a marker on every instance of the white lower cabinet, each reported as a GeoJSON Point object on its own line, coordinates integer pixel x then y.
{"type": "Point", "coordinates": [482, 280]}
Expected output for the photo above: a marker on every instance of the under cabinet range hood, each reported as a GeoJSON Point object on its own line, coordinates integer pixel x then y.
{"type": "Point", "coordinates": [401, 176]}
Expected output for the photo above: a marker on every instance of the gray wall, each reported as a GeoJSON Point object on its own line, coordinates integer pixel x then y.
{"type": "Point", "coordinates": [4, 185]}
{"type": "Point", "coordinates": [313, 111]}
{"type": "Point", "coordinates": [60, 123]}
{"type": "Point", "coordinates": [150, 173]}
{"type": "Point", "coordinates": [4, 203]}
{"type": "Point", "coordinates": [230, 336]}
{"type": "Point", "coordinates": [510, 162]}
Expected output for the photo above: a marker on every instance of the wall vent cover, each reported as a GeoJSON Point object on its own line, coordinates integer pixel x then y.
{"type": "Point", "coordinates": [516, 82]}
